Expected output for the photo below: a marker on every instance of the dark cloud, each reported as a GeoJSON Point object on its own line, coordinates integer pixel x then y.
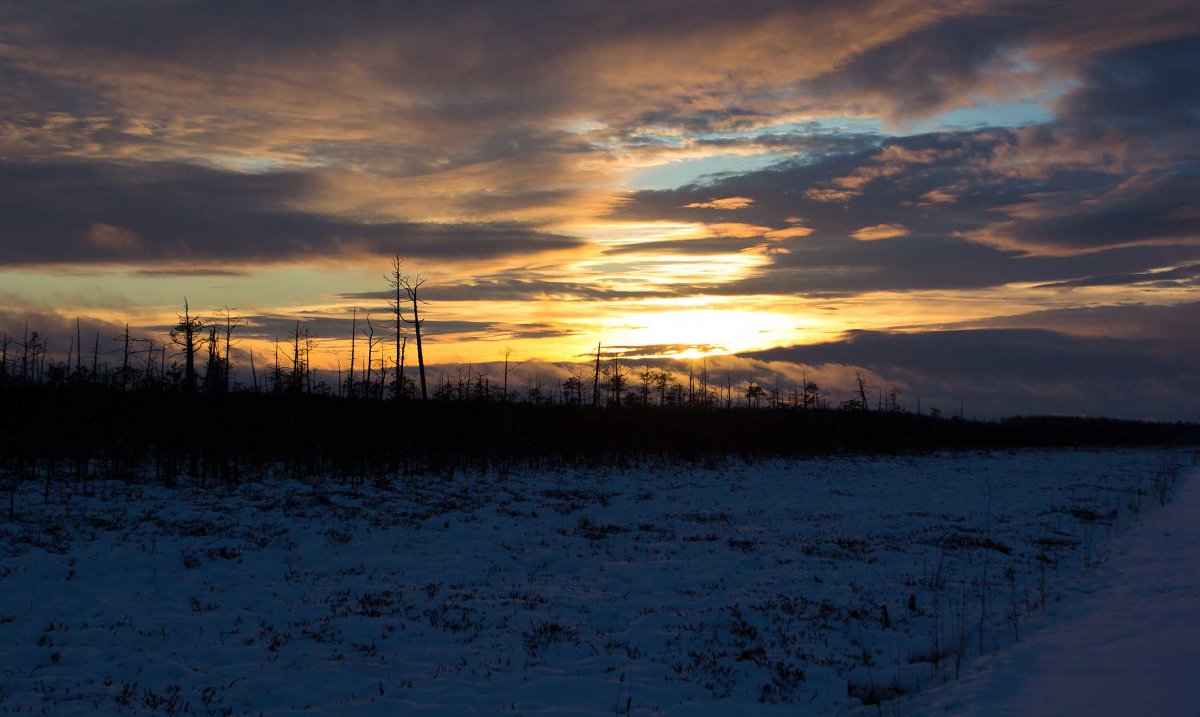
{"type": "Point", "coordinates": [516, 286]}
{"type": "Point", "coordinates": [339, 328]}
{"type": "Point", "coordinates": [1127, 321]}
{"type": "Point", "coordinates": [1178, 277]}
{"type": "Point", "coordinates": [59, 335]}
{"type": "Point", "coordinates": [1145, 90]}
{"type": "Point", "coordinates": [997, 372]}
{"type": "Point", "coordinates": [927, 71]}
{"type": "Point", "coordinates": [95, 212]}
{"type": "Point", "coordinates": [175, 272]}
{"type": "Point", "coordinates": [1155, 207]}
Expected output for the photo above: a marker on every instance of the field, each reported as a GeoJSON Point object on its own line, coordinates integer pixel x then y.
{"type": "Point", "coordinates": [809, 586]}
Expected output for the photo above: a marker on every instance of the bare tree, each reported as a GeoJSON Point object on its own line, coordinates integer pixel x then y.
{"type": "Point", "coordinates": [507, 367]}
{"type": "Point", "coordinates": [231, 322]}
{"type": "Point", "coordinates": [78, 353]}
{"type": "Point", "coordinates": [310, 343]}
{"type": "Point", "coordinates": [187, 334]}
{"type": "Point", "coordinates": [125, 358]}
{"type": "Point", "coordinates": [396, 284]}
{"type": "Point", "coordinates": [214, 373]}
{"type": "Point", "coordinates": [412, 289]}
{"type": "Point", "coordinates": [617, 376]}
{"type": "Point", "coordinates": [353, 343]}
{"type": "Point", "coordinates": [296, 380]}
{"type": "Point", "coordinates": [372, 342]}
{"type": "Point", "coordinates": [596, 378]}
{"type": "Point", "coordinates": [253, 372]}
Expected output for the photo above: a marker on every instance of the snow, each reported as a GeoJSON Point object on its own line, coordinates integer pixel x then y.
{"type": "Point", "coordinates": [752, 588]}
{"type": "Point", "coordinates": [1131, 647]}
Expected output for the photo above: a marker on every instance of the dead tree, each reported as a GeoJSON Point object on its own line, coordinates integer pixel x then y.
{"type": "Point", "coordinates": [79, 346]}
{"type": "Point", "coordinates": [395, 281]}
{"type": "Point", "coordinates": [596, 378]}
{"type": "Point", "coordinates": [214, 380]}
{"type": "Point", "coordinates": [372, 342]}
{"type": "Point", "coordinates": [187, 334]}
{"type": "Point", "coordinates": [125, 358]}
{"type": "Point", "coordinates": [296, 380]}
{"type": "Point", "coordinates": [277, 376]}
{"type": "Point", "coordinates": [149, 378]}
{"type": "Point", "coordinates": [508, 367]}
{"type": "Point", "coordinates": [353, 345]}
{"type": "Point", "coordinates": [411, 288]}
{"type": "Point", "coordinates": [231, 322]}
{"type": "Point", "coordinates": [310, 343]}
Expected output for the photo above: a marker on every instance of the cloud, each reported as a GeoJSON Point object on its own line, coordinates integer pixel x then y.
{"type": "Point", "coordinates": [997, 372]}
{"type": "Point", "coordinates": [724, 203]}
{"type": "Point", "coordinates": [981, 208]}
{"type": "Point", "coordinates": [879, 231]}
{"type": "Point", "coordinates": [1150, 208]}
{"type": "Point", "coordinates": [171, 213]}
{"type": "Point", "coordinates": [59, 334]}
{"type": "Point", "coordinates": [1169, 322]}
{"type": "Point", "coordinates": [1174, 277]}
{"type": "Point", "coordinates": [517, 285]}
{"type": "Point", "coordinates": [113, 240]}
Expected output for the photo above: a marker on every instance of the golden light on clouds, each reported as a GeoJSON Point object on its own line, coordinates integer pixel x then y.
{"type": "Point", "coordinates": [880, 231]}
{"type": "Point", "coordinates": [724, 203]}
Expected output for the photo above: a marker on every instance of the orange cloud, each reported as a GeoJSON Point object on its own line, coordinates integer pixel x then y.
{"type": "Point", "coordinates": [880, 231]}
{"type": "Point", "coordinates": [789, 233]}
{"type": "Point", "coordinates": [726, 203]}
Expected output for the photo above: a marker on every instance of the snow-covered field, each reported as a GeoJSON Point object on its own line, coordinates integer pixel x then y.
{"type": "Point", "coordinates": [771, 587]}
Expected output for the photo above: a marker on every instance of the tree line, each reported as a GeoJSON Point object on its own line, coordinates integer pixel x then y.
{"type": "Point", "coordinates": [197, 356]}
{"type": "Point", "coordinates": [172, 410]}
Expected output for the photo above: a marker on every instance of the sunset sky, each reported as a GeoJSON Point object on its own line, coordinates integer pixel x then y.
{"type": "Point", "coordinates": [993, 202]}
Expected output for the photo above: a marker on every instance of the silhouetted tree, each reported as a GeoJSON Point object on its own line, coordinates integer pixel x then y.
{"type": "Point", "coordinates": [616, 376]}
{"type": "Point", "coordinates": [353, 344]}
{"type": "Point", "coordinates": [214, 372]}
{"type": "Point", "coordinates": [411, 288]}
{"type": "Point", "coordinates": [4, 360]}
{"type": "Point", "coordinates": [596, 378]}
{"type": "Point", "coordinates": [296, 380]}
{"type": "Point", "coordinates": [231, 323]}
{"type": "Point", "coordinates": [395, 280]}
{"type": "Point", "coordinates": [573, 390]}
{"type": "Point", "coordinates": [187, 334]}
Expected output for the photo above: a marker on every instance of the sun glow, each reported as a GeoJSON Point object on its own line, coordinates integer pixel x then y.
{"type": "Point", "coordinates": [695, 332]}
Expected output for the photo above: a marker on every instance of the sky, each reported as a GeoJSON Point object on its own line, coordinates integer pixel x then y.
{"type": "Point", "coordinates": [988, 204]}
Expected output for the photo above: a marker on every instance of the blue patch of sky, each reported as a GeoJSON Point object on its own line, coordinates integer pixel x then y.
{"type": "Point", "coordinates": [1001, 114]}
{"type": "Point", "coordinates": [695, 171]}
{"type": "Point", "coordinates": [707, 169]}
